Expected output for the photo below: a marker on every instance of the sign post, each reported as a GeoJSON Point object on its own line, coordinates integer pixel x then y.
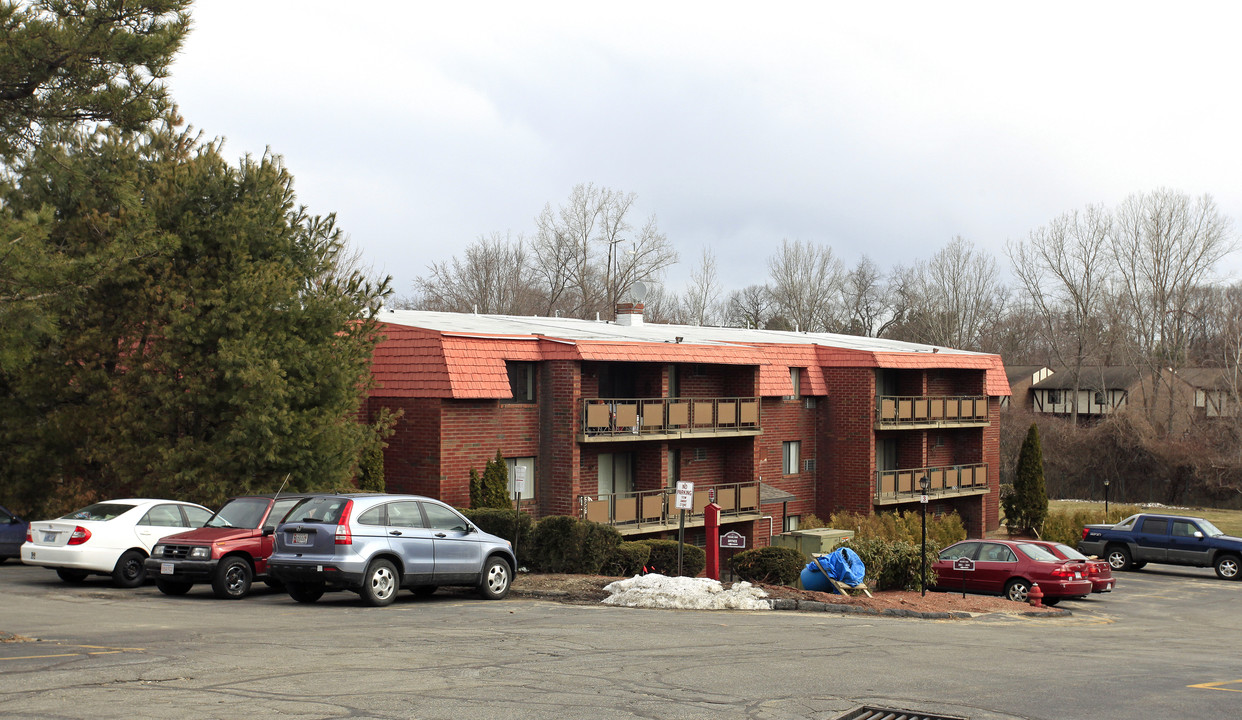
{"type": "Point", "coordinates": [965, 565]}
{"type": "Point", "coordinates": [519, 487]}
{"type": "Point", "coordinates": [684, 502]}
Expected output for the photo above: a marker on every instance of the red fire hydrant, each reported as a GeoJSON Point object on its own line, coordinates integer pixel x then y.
{"type": "Point", "coordinates": [1035, 596]}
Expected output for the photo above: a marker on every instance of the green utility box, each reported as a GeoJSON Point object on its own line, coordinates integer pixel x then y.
{"type": "Point", "coordinates": [819, 541]}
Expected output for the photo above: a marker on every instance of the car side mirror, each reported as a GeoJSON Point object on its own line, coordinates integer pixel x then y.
{"type": "Point", "coordinates": [269, 531]}
{"type": "Point", "coordinates": [1199, 534]}
{"type": "Point", "coordinates": [14, 520]}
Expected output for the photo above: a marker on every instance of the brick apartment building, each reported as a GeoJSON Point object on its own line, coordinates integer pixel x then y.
{"type": "Point", "coordinates": [603, 418]}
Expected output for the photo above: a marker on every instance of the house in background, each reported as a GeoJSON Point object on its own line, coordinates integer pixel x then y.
{"type": "Point", "coordinates": [1021, 378]}
{"type": "Point", "coordinates": [1102, 390]}
{"type": "Point", "coordinates": [1215, 391]}
{"type": "Point", "coordinates": [602, 419]}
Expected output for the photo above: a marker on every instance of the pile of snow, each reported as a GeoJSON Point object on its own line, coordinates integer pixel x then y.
{"type": "Point", "coordinates": [661, 591]}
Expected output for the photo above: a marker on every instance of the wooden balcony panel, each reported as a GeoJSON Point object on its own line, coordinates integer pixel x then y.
{"type": "Point", "coordinates": [626, 510]}
{"type": "Point", "coordinates": [937, 479]}
{"type": "Point", "coordinates": [748, 498]}
{"type": "Point", "coordinates": [937, 408]}
{"type": "Point", "coordinates": [888, 409]}
{"type": "Point", "coordinates": [981, 475]}
{"type": "Point", "coordinates": [726, 498]}
{"type": "Point", "coordinates": [597, 511]}
{"type": "Point", "coordinates": [905, 409]}
{"type": "Point", "coordinates": [951, 409]}
{"type": "Point", "coordinates": [653, 507]}
{"type": "Point", "coordinates": [726, 412]}
{"type": "Point", "coordinates": [703, 414]}
{"type": "Point", "coordinates": [653, 414]}
{"type": "Point", "coordinates": [701, 499]}
{"type": "Point", "coordinates": [598, 416]}
{"type": "Point", "coordinates": [678, 414]}
{"type": "Point", "coordinates": [888, 483]}
{"type": "Point", "coordinates": [920, 409]}
{"type": "Point", "coordinates": [981, 408]}
{"type": "Point", "coordinates": [905, 482]}
{"type": "Point", "coordinates": [627, 415]}
{"type": "Point", "coordinates": [750, 413]}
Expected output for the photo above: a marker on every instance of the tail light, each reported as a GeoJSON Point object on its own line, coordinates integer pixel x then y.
{"type": "Point", "coordinates": [343, 536]}
{"type": "Point", "coordinates": [1084, 533]}
{"type": "Point", "coordinates": [79, 536]}
{"type": "Point", "coordinates": [1063, 571]}
{"type": "Point", "coordinates": [29, 535]}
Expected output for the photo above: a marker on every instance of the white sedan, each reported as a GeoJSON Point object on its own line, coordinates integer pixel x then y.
{"type": "Point", "coordinates": [108, 538]}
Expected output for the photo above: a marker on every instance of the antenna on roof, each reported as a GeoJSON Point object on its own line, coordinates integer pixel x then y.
{"type": "Point", "coordinates": [638, 291]}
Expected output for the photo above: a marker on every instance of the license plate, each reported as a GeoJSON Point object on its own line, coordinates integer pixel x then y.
{"type": "Point", "coordinates": [1078, 576]}
{"type": "Point", "coordinates": [301, 539]}
{"type": "Point", "coordinates": [49, 537]}
{"type": "Point", "coordinates": [166, 568]}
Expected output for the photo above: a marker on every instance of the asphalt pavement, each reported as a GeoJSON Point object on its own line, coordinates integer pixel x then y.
{"type": "Point", "coordinates": [1163, 645]}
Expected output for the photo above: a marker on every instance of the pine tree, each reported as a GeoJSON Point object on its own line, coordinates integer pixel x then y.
{"type": "Point", "coordinates": [496, 483]}
{"type": "Point", "coordinates": [1027, 506]}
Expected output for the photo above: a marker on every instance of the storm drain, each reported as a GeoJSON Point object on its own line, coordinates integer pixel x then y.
{"type": "Point", "coordinates": [877, 713]}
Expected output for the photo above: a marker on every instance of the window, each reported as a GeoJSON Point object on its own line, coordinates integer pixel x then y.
{"type": "Point", "coordinates": [1181, 528]}
{"type": "Point", "coordinates": [1054, 397]}
{"type": "Point", "coordinates": [441, 518]}
{"type": "Point", "coordinates": [164, 516]}
{"type": "Point", "coordinates": [1101, 398]}
{"type": "Point", "coordinates": [405, 513]}
{"type": "Point", "coordinates": [197, 516]}
{"type": "Point", "coordinates": [1155, 526]}
{"type": "Point", "coordinates": [795, 379]}
{"type": "Point", "coordinates": [524, 466]}
{"type": "Point", "coordinates": [792, 522]}
{"type": "Point", "coordinates": [521, 381]}
{"type": "Point", "coordinates": [791, 450]}
{"type": "Point", "coordinates": [616, 473]}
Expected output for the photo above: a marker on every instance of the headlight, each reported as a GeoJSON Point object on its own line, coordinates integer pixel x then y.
{"type": "Point", "coordinates": [157, 551]}
{"type": "Point", "coordinates": [200, 553]}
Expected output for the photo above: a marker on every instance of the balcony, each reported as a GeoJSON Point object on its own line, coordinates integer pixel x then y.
{"type": "Point", "coordinates": [654, 510]}
{"type": "Point", "coordinates": [902, 486]}
{"type": "Point", "coordinates": [621, 419]}
{"type": "Point", "coordinates": [895, 412]}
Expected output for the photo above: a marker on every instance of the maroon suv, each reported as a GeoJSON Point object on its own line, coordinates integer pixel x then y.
{"type": "Point", "coordinates": [230, 551]}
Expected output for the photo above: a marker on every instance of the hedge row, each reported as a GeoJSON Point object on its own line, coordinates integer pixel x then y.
{"type": "Point", "coordinates": [565, 544]}
{"type": "Point", "coordinates": [1065, 526]}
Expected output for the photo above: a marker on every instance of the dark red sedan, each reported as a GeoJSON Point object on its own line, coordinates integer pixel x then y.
{"type": "Point", "coordinates": [1009, 568]}
{"type": "Point", "coordinates": [1099, 572]}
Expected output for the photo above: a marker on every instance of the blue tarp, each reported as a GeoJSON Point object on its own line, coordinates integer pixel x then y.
{"type": "Point", "coordinates": [842, 565]}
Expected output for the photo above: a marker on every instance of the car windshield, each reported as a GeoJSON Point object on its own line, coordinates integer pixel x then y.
{"type": "Point", "coordinates": [1035, 552]}
{"type": "Point", "coordinates": [98, 511]}
{"type": "Point", "coordinates": [1209, 529]}
{"type": "Point", "coordinates": [1070, 552]}
{"type": "Point", "coordinates": [240, 513]}
{"type": "Point", "coordinates": [318, 510]}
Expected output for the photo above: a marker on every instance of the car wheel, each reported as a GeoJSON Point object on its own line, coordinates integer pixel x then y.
{"type": "Point", "coordinates": [129, 571]}
{"type": "Point", "coordinates": [232, 578]}
{"type": "Point", "coordinates": [379, 584]}
{"type": "Point", "coordinates": [1018, 590]}
{"type": "Point", "coordinates": [173, 587]}
{"type": "Point", "coordinates": [305, 592]}
{"type": "Point", "coordinates": [73, 577]}
{"type": "Point", "coordinates": [496, 579]}
{"type": "Point", "coordinates": [1227, 567]}
{"type": "Point", "coordinates": [423, 591]}
{"type": "Point", "coordinates": [1119, 558]}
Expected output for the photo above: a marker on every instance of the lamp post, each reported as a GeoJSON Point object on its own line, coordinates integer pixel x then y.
{"type": "Point", "coordinates": [925, 483]}
{"type": "Point", "coordinates": [1106, 500]}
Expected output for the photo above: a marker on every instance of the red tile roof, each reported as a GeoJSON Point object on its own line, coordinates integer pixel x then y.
{"type": "Point", "coordinates": [415, 362]}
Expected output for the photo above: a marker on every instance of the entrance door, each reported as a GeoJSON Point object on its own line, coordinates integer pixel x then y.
{"type": "Point", "coordinates": [616, 473]}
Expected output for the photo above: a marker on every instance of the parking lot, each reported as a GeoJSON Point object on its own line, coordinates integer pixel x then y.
{"type": "Point", "coordinates": [1162, 645]}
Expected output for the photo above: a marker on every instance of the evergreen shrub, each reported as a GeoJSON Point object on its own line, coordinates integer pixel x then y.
{"type": "Point", "coordinates": [773, 565]}
{"type": "Point", "coordinates": [663, 558]}
{"type": "Point", "coordinates": [504, 523]}
{"type": "Point", "coordinates": [1065, 526]}
{"type": "Point", "coordinates": [565, 544]}
{"type": "Point", "coordinates": [894, 564]}
{"type": "Point", "coordinates": [626, 559]}
{"type": "Point", "coordinates": [942, 531]}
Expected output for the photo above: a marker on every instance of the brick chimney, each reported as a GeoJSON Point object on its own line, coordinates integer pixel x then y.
{"type": "Point", "coordinates": [630, 314]}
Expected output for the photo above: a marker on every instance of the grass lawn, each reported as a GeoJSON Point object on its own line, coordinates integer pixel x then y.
{"type": "Point", "coordinates": [1229, 521]}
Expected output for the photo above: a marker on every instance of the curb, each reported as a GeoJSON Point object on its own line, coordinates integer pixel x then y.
{"type": "Point", "coordinates": [791, 604]}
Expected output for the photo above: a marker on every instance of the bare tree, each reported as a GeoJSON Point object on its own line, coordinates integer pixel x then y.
{"type": "Point", "coordinates": [492, 278]}
{"type": "Point", "coordinates": [701, 296]}
{"type": "Point", "coordinates": [806, 284]}
{"type": "Point", "coordinates": [750, 307]}
{"type": "Point", "coordinates": [587, 254]}
{"type": "Point", "coordinates": [953, 299]}
{"type": "Point", "coordinates": [1063, 268]}
{"type": "Point", "coordinates": [1164, 244]}
{"type": "Point", "coordinates": [866, 302]}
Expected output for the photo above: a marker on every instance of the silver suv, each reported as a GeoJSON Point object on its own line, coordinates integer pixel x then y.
{"type": "Point", "coordinates": [376, 544]}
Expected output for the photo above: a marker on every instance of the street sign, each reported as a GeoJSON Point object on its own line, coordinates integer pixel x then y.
{"type": "Point", "coordinates": [519, 479]}
{"type": "Point", "coordinates": [923, 499]}
{"type": "Point", "coordinates": [732, 539]}
{"type": "Point", "coordinates": [963, 563]}
{"type": "Point", "coordinates": [685, 496]}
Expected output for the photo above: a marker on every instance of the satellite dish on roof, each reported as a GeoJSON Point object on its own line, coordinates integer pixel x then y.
{"type": "Point", "coordinates": [638, 291]}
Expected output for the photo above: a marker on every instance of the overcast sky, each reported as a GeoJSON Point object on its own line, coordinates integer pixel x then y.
{"type": "Point", "coordinates": [881, 128]}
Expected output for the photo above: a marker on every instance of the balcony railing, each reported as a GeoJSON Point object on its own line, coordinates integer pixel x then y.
{"type": "Point", "coordinates": [623, 418]}
{"type": "Point", "coordinates": [893, 411]}
{"type": "Point", "coordinates": [656, 509]}
{"type": "Point", "coordinates": [903, 485]}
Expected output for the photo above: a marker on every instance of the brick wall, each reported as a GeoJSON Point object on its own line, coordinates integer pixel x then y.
{"type": "Point", "coordinates": [412, 458]}
{"type": "Point", "coordinates": [847, 475]}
